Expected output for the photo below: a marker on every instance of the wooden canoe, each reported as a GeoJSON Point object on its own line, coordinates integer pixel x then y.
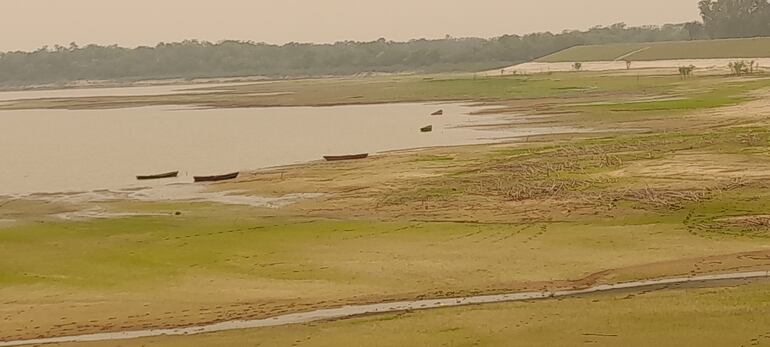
{"type": "Point", "coordinates": [216, 178]}
{"type": "Point", "coordinates": [426, 129]}
{"type": "Point", "coordinates": [438, 113]}
{"type": "Point", "coordinates": [346, 157]}
{"type": "Point", "coordinates": [158, 176]}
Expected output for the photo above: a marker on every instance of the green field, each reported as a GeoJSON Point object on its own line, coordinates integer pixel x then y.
{"type": "Point", "coordinates": [705, 49]}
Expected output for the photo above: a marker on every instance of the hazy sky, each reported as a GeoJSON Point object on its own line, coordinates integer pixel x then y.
{"type": "Point", "coordinates": [30, 24]}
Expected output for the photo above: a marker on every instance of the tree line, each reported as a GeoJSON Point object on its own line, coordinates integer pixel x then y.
{"type": "Point", "coordinates": [734, 18]}
{"type": "Point", "coordinates": [200, 59]}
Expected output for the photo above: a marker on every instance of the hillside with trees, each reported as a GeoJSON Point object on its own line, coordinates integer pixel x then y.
{"type": "Point", "coordinates": [735, 18]}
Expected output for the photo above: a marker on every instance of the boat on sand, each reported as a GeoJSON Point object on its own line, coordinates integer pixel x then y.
{"type": "Point", "coordinates": [346, 157]}
{"type": "Point", "coordinates": [171, 174]}
{"type": "Point", "coordinates": [216, 178]}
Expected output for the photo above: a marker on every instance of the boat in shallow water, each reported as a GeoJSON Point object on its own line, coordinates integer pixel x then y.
{"type": "Point", "coordinates": [158, 176]}
{"type": "Point", "coordinates": [224, 177]}
{"type": "Point", "coordinates": [426, 129]}
{"type": "Point", "coordinates": [346, 157]}
{"type": "Point", "coordinates": [438, 113]}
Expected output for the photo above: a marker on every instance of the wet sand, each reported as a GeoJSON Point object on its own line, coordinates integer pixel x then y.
{"type": "Point", "coordinates": [353, 311]}
{"type": "Point", "coordinates": [86, 204]}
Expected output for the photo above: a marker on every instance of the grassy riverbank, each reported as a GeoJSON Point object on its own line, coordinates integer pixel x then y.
{"type": "Point", "coordinates": [385, 89]}
{"type": "Point", "coordinates": [672, 183]}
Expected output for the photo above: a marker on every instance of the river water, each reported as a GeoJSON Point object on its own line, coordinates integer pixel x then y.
{"type": "Point", "coordinates": [83, 150]}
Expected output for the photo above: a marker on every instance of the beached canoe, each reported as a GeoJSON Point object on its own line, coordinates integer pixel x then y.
{"type": "Point", "coordinates": [158, 176]}
{"type": "Point", "coordinates": [438, 113]}
{"type": "Point", "coordinates": [346, 157]}
{"type": "Point", "coordinates": [426, 129]}
{"type": "Point", "coordinates": [216, 178]}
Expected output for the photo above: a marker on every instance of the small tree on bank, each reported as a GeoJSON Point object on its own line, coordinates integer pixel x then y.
{"type": "Point", "coordinates": [577, 66]}
{"type": "Point", "coordinates": [686, 71]}
{"type": "Point", "coordinates": [742, 67]}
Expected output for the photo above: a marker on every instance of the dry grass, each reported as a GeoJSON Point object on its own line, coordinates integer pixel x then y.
{"type": "Point", "coordinates": [755, 223]}
{"type": "Point", "coordinates": [732, 314]}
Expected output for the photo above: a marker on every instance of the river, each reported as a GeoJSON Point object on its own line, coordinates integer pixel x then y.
{"type": "Point", "coordinates": [46, 151]}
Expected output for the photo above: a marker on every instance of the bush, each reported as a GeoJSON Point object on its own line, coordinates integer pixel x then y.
{"type": "Point", "coordinates": [577, 66]}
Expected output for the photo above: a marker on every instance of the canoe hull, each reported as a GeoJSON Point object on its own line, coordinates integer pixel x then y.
{"type": "Point", "coordinates": [217, 178]}
{"type": "Point", "coordinates": [427, 129]}
{"type": "Point", "coordinates": [438, 113]}
{"type": "Point", "coordinates": [158, 176]}
{"type": "Point", "coordinates": [346, 157]}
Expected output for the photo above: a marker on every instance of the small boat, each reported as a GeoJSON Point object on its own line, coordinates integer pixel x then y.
{"type": "Point", "coordinates": [346, 157]}
{"type": "Point", "coordinates": [438, 113]}
{"type": "Point", "coordinates": [216, 178]}
{"type": "Point", "coordinates": [158, 176]}
{"type": "Point", "coordinates": [426, 129]}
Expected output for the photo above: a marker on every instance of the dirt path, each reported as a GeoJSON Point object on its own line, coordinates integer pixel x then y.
{"type": "Point", "coordinates": [624, 56]}
{"type": "Point", "coordinates": [352, 311]}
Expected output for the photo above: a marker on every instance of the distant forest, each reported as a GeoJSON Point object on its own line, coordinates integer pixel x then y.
{"type": "Point", "coordinates": [734, 18]}
{"type": "Point", "coordinates": [196, 59]}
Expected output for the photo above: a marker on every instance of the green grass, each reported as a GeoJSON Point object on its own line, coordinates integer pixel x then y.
{"type": "Point", "coordinates": [727, 94]}
{"type": "Point", "coordinates": [383, 90]}
{"type": "Point", "coordinates": [433, 158]}
{"type": "Point", "coordinates": [563, 86]}
{"type": "Point", "coordinates": [515, 87]}
{"type": "Point", "coordinates": [680, 99]}
{"type": "Point", "coordinates": [706, 49]}
{"type": "Point", "coordinates": [729, 316]}
{"type": "Point", "coordinates": [144, 252]}
{"type": "Point", "coordinates": [207, 260]}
